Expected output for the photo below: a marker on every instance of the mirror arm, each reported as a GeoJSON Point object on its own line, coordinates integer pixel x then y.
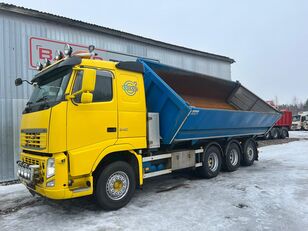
{"type": "Point", "coordinates": [71, 97]}
{"type": "Point", "coordinates": [24, 80]}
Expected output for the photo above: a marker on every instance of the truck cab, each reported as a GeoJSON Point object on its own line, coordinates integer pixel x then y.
{"type": "Point", "coordinates": [80, 111]}
{"type": "Point", "coordinates": [300, 121]}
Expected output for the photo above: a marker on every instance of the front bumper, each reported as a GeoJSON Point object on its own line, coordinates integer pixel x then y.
{"type": "Point", "coordinates": [295, 127]}
{"type": "Point", "coordinates": [33, 176]}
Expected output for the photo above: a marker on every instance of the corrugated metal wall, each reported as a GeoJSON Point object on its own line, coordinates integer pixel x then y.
{"type": "Point", "coordinates": [15, 31]}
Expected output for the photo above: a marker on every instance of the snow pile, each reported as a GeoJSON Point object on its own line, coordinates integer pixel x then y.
{"type": "Point", "coordinates": [298, 134]}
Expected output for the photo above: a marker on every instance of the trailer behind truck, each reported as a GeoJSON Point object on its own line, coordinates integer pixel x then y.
{"type": "Point", "coordinates": [282, 127]}
{"type": "Point", "coordinates": [96, 127]}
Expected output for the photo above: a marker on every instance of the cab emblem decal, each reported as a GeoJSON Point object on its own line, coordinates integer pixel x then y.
{"type": "Point", "coordinates": [130, 87]}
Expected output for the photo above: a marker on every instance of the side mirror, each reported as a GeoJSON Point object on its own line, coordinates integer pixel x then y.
{"type": "Point", "coordinates": [86, 97]}
{"type": "Point", "coordinates": [18, 82]}
{"type": "Point", "coordinates": [88, 85]}
{"type": "Point", "coordinates": [88, 80]}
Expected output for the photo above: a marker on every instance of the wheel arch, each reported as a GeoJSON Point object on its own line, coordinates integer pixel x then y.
{"type": "Point", "coordinates": [121, 153]}
{"type": "Point", "coordinates": [213, 143]}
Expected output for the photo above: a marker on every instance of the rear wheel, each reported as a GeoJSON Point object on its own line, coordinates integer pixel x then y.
{"type": "Point", "coordinates": [249, 152]}
{"type": "Point", "coordinates": [275, 133]}
{"type": "Point", "coordinates": [268, 136]}
{"type": "Point", "coordinates": [211, 163]}
{"type": "Point", "coordinates": [115, 186]}
{"type": "Point", "coordinates": [232, 157]}
{"type": "Point", "coordinates": [284, 133]}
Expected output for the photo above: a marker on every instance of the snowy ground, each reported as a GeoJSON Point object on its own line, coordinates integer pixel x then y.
{"type": "Point", "coordinates": [298, 134]}
{"type": "Point", "coordinates": [270, 195]}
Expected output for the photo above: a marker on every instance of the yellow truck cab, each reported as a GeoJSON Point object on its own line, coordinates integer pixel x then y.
{"type": "Point", "coordinates": [81, 111]}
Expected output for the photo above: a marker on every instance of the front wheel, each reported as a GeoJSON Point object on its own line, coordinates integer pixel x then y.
{"type": "Point", "coordinates": [211, 163]}
{"type": "Point", "coordinates": [115, 185]}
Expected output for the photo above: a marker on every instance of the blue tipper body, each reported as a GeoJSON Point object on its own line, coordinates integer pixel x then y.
{"type": "Point", "coordinates": [179, 121]}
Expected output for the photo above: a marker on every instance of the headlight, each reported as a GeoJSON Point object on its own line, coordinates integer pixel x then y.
{"type": "Point", "coordinates": [50, 167]}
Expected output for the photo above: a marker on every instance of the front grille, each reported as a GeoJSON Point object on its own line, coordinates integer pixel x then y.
{"type": "Point", "coordinates": [34, 139]}
{"type": "Point", "coordinates": [31, 161]}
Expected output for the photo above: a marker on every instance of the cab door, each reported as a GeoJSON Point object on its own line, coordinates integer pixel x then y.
{"type": "Point", "coordinates": [92, 126]}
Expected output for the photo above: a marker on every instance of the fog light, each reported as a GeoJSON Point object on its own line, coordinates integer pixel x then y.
{"type": "Point", "coordinates": [50, 183]}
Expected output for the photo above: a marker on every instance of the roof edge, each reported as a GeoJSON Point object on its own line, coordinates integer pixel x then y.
{"type": "Point", "coordinates": [109, 31]}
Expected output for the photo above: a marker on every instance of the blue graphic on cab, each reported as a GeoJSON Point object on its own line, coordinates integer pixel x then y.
{"type": "Point", "coordinates": [130, 87]}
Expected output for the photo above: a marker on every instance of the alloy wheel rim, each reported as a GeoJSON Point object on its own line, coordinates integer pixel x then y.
{"type": "Point", "coordinates": [234, 157]}
{"type": "Point", "coordinates": [250, 153]}
{"type": "Point", "coordinates": [213, 162]}
{"type": "Point", "coordinates": [117, 185]}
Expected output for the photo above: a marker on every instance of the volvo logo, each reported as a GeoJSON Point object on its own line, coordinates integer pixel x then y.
{"type": "Point", "coordinates": [130, 87]}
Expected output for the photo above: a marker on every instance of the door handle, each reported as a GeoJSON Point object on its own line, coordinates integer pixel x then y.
{"type": "Point", "coordinates": [111, 129]}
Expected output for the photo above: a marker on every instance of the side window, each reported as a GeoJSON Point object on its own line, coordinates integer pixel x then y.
{"type": "Point", "coordinates": [77, 86]}
{"type": "Point", "coordinates": [103, 87]}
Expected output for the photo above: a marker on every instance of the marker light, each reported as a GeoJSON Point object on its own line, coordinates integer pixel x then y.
{"type": "Point", "coordinates": [68, 50]}
{"type": "Point", "coordinates": [39, 66]}
{"type": "Point", "coordinates": [59, 55]}
{"type": "Point", "coordinates": [46, 63]}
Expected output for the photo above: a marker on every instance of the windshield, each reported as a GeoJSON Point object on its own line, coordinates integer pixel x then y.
{"type": "Point", "coordinates": [50, 88]}
{"type": "Point", "coordinates": [296, 118]}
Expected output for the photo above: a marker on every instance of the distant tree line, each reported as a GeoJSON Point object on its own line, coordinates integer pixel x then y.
{"type": "Point", "coordinates": [295, 107]}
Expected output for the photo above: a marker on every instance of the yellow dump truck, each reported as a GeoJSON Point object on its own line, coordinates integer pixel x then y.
{"type": "Point", "coordinates": [101, 127]}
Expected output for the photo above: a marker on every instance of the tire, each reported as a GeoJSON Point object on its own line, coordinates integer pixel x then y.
{"type": "Point", "coordinates": [274, 133]}
{"type": "Point", "coordinates": [211, 163]}
{"type": "Point", "coordinates": [232, 158]}
{"type": "Point", "coordinates": [250, 152]}
{"type": "Point", "coordinates": [268, 136]}
{"type": "Point", "coordinates": [284, 133]}
{"type": "Point", "coordinates": [122, 176]}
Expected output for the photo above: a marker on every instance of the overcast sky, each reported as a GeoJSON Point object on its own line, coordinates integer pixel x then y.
{"type": "Point", "coordinates": [268, 39]}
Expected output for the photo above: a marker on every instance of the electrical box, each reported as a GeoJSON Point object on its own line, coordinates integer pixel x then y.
{"type": "Point", "coordinates": [153, 130]}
